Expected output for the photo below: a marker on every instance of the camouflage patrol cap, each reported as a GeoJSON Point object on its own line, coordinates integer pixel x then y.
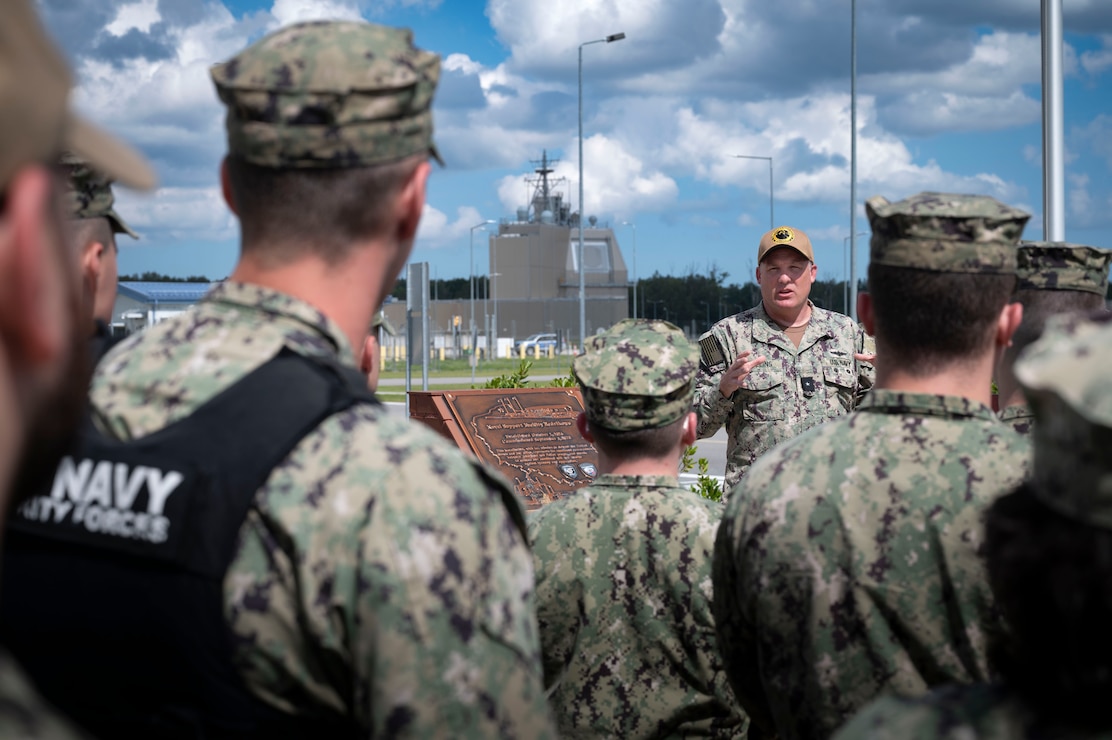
{"type": "Point", "coordinates": [1062, 266]}
{"type": "Point", "coordinates": [1065, 377]}
{"type": "Point", "coordinates": [942, 232]}
{"type": "Point", "coordinates": [329, 95]}
{"type": "Point", "coordinates": [89, 193]}
{"type": "Point", "coordinates": [639, 374]}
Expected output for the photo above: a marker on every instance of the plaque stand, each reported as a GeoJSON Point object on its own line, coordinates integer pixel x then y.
{"type": "Point", "coordinates": [527, 434]}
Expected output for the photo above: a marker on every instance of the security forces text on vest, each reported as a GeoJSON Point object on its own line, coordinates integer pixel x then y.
{"type": "Point", "coordinates": [107, 498]}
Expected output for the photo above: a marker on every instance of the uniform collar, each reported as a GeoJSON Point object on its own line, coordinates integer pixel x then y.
{"type": "Point", "coordinates": [1016, 411]}
{"type": "Point", "coordinates": [883, 401]}
{"type": "Point", "coordinates": [766, 330]}
{"type": "Point", "coordinates": [253, 297]}
{"type": "Point", "coordinates": [608, 480]}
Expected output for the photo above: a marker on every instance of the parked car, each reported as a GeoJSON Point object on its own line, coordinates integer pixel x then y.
{"type": "Point", "coordinates": [539, 343]}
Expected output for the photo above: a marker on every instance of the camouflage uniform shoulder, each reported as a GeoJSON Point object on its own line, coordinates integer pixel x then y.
{"type": "Point", "coordinates": [388, 525]}
{"type": "Point", "coordinates": [586, 504]}
{"type": "Point", "coordinates": [23, 713]}
{"type": "Point", "coordinates": [833, 319]}
{"type": "Point", "coordinates": [720, 344]}
{"type": "Point", "coordinates": [977, 712]}
{"type": "Point", "coordinates": [388, 442]}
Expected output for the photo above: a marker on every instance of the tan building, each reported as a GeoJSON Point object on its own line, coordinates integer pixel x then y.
{"type": "Point", "coordinates": [534, 277]}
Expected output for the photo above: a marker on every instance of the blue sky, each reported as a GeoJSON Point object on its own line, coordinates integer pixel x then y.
{"type": "Point", "coordinates": [948, 99]}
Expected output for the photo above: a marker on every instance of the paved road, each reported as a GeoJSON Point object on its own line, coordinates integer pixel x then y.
{"type": "Point", "coordinates": [712, 448]}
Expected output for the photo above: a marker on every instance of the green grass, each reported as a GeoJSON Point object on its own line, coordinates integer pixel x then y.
{"type": "Point", "coordinates": [559, 365]}
{"type": "Point", "coordinates": [396, 393]}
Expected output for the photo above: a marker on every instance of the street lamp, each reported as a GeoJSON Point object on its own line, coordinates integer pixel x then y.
{"type": "Point", "coordinates": [634, 227]}
{"type": "Point", "coordinates": [771, 212]}
{"type": "Point", "coordinates": [845, 271]}
{"type": "Point", "coordinates": [471, 335]}
{"type": "Point", "coordinates": [655, 304]}
{"type": "Point", "coordinates": [582, 215]}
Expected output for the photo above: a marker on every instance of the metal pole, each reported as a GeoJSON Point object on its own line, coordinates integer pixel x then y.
{"type": "Point", "coordinates": [582, 210]}
{"type": "Point", "coordinates": [771, 206]}
{"type": "Point", "coordinates": [1054, 194]}
{"type": "Point", "coordinates": [471, 285]}
{"type": "Point", "coordinates": [425, 326]}
{"type": "Point", "coordinates": [582, 214]}
{"type": "Point", "coordinates": [634, 227]}
{"type": "Point", "coordinates": [853, 159]}
{"type": "Point", "coordinates": [845, 271]}
{"type": "Point", "coordinates": [471, 328]}
{"type": "Point", "coordinates": [771, 212]}
{"type": "Point", "coordinates": [494, 274]}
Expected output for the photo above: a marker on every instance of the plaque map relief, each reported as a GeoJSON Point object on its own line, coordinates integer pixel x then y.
{"type": "Point", "coordinates": [531, 438]}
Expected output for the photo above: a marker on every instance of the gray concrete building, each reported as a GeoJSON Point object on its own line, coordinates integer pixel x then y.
{"type": "Point", "coordinates": [533, 266]}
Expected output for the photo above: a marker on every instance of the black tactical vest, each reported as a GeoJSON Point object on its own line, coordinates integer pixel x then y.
{"type": "Point", "coordinates": [112, 584]}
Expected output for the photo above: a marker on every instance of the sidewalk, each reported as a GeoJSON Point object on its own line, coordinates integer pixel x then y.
{"type": "Point", "coordinates": [480, 379]}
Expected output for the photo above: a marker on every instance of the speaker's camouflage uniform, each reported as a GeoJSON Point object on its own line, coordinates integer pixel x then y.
{"type": "Point", "coordinates": [794, 390]}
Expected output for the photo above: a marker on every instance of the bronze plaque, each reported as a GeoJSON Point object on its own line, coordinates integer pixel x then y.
{"type": "Point", "coordinates": [529, 435]}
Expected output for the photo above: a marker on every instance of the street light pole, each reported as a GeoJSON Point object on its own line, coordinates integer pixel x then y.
{"type": "Point", "coordinates": [1054, 198]}
{"type": "Point", "coordinates": [634, 227]}
{"type": "Point", "coordinates": [582, 215]}
{"type": "Point", "coordinates": [771, 207]}
{"type": "Point", "coordinates": [853, 157]}
{"type": "Point", "coordinates": [493, 274]}
{"type": "Point", "coordinates": [471, 328]}
{"type": "Point", "coordinates": [845, 271]}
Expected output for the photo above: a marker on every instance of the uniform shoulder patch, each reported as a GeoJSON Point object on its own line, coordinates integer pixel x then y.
{"type": "Point", "coordinates": [711, 352]}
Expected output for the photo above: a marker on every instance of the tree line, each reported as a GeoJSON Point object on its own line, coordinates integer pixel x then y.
{"type": "Point", "coordinates": [699, 300]}
{"type": "Point", "coordinates": [158, 277]}
{"type": "Point", "coordinates": [452, 289]}
{"type": "Point", "coordinates": [693, 301]}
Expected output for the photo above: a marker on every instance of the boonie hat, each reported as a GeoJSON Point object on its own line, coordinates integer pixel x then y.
{"type": "Point", "coordinates": [639, 374]}
{"type": "Point", "coordinates": [785, 236]}
{"type": "Point", "coordinates": [329, 95]}
{"type": "Point", "coordinates": [1062, 266]}
{"type": "Point", "coordinates": [89, 193]}
{"type": "Point", "coordinates": [945, 232]}
{"type": "Point", "coordinates": [1065, 378]}
{"type": "Point", "coordinates": [35, 121]}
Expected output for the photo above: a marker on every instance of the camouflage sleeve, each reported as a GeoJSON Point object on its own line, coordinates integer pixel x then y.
{"type": "Point", "coordinates": [711, 406]}
{"type": "Point", "coordinates": [384, 574]}
{"type": "Point", "coordinates": [736, 637]}
{"type": "Point", "coordinates": [866, 371]}
{"type": "Point", "coordinates": [952, 712]}
{"type": "Point", "coordinates": [23, 713]}
{"type": "Point", "coordinates": [896, 718]}
{"type": "Point", "coordinates": [559, 595]}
